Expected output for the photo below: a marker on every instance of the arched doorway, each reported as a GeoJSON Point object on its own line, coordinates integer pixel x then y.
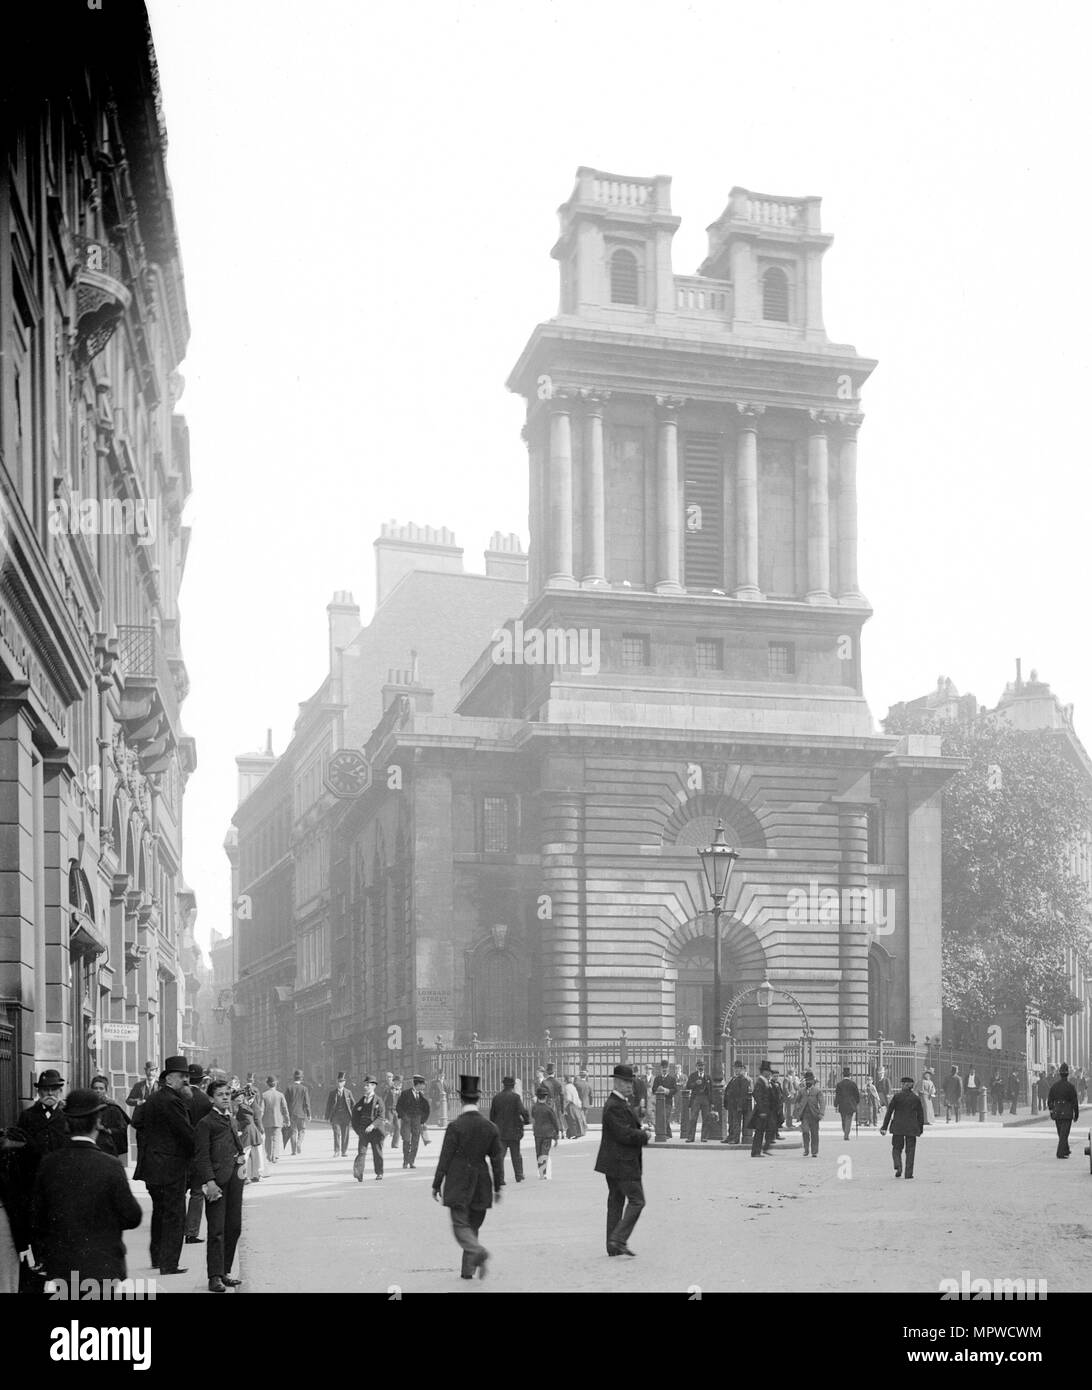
{"type": "Point", "coordinates": [742, 964]}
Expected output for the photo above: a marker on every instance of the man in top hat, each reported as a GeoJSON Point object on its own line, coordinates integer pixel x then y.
{"type": "Point", "coordinates": [43, 1123]}
{"type": "Point", "coordinates": [82, 1202]}
{"type": "Point", "coordinates": [339, 1114]}
{"type": "Point", "coordinates": [472, 1145]}
{"type": "Point", "coordinates": [699, 1088]}
{"type": "Point", "coordinates": [620, 1162]}
{"type": "Point", "coordinates": [737, 1103]}
{"type": "Point", "coordinates": [198, 1105]}
{"type": "Point", "coordinates": [509, 1114]}
{"type": "Point", "coordinates": [220, 1158]}
{"type": "Point", "coordinates": [164, 1162]}
{"type": "Point", "coordinates": [1064, 1108]}
{"type": "Point", "coordinates": [764, 1116]}
{"type": "Point", "coordinates": [906, 1119]}
{"type": "Point", "coordinates": [664, 1087]}
{"type": "Point", "coordinates": [299, 1109]}
{"type": "Point", "coordinates": [412, 1110]}
{"type": "Point", "coordinates": [846, 1100]}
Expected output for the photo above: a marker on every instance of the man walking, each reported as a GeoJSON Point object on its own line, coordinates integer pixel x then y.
{"type": "Point", "coordinates": [274, 1118]}
{"type": "Point", "coordinates": [82, 1202]}
{"type": "Point", "coordinates": [164, 1121]}
{"type": "Point", "coordinates": [699, 1090]}
{"type": "Point", "coordinates": [198, 1105]}
{"type": "Point", "coordinates": [737, 1103]}
{"type": "Point", "coordinates": [953, 1095]}
{"type": "Point", "coordinates": [509, 1114]}
{"type": "Point", "coordinates": [469, 1141]}
{"type": "Point", "coordinates": [412, 1110]}
{"type": "Point", "coordinates": [298, 1099]}
{"type": "Point", "coordinates": [811, 1106]}
{"type": "Point", "coordinates": [905, 1118]}
{"type": "Point", "coordinates": [846, 1100]}
{"type": "Point", "coordinates": [1012, 1091]}
{"type": "Point", "coordinates": [219, 1158]}
{"type": "Point", "coordinates": [620, 1162]}
{"type": "Point", "coordinates": [1064, 1108]}
{"type": "Point", "coordinates": [764, 1116]}
{"type": "Point", "coordinates": [339, 1114]}
{"type": "Point", "coordinates": [369, 1115]}
{"type": "Point", "coordinates": [663, 1092]}
{"type": "Point", "coordinates": [390, 1101]}
{"type": "Point", "coordinates": [557, 1098]}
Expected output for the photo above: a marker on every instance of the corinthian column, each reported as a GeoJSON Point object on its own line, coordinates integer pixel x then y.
{"type": "Point", "coordinates": [747, 502]}
{"type": "Point", "coordinates": [594, 518]}
{"type": "Point", "coordinates": [561, 498]}
{"type": "Point", "coordinates": [848, 590]}
{"type": "Point", "coordinates": [818, 510]}
{"type": "Point", "coordinates": [667, 496]}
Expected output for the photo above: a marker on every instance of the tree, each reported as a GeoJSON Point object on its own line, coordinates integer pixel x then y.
{"type": "Point", "coordinates": [1012, 904]}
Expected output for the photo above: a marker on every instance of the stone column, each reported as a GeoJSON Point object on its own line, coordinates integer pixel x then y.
{"type": "Point", "coordinates": [818, 510]}
{"type": "Point", "coordinates": [595, 562]}
{"type": "Point", "coordinates": [667, 495]}
{"type": "Point", "coordinates": [561, 497]}
{"type": "Point", "coordinates": [853, 920]}
{"type": "Point", "coordinates": [747, 502]}
{"type": "Point", "coordinates": [923, 945]}
{"type": "Point", "coordinates": [848, 590]}
{"type": "Point", "coordinates": [561, 982]}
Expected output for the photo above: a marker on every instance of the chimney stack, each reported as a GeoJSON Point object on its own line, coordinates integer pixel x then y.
{"type": "Point", "coordinates": [505, 558]}
{"type": "Point", "coordinates": [403, 549]}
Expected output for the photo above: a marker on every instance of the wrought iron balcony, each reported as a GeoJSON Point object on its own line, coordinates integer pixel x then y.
{"type": "Point", "coordinates": [101, 297]}
{"type": "Point", "coordinates": [149, 705]}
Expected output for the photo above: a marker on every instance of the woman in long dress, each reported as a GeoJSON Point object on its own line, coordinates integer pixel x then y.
{"type": "Point", "coordinates": [928, 1093]}
{"type": "Point", "coordinates": [576, 1126]}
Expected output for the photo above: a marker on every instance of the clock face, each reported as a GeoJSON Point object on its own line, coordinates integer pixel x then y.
{"type": "Point", "coordinates": [347, 773]}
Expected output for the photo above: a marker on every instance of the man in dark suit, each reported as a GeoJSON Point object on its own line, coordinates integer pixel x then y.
{"type": "Point", "coordinates": [1064, 1108]}
{"type": "Point", "coordinates": [764, 1115]}
{"type": "Point", "coordinates": [846, 1100]}
{"type": "Point", "coordinates": [906, 1119]}
{"type": "Point", "coordinates": [44, 1124]}
{"type": "Point", "coordinates": [638, 1100]}
{"type": "Point", "coordinates": [557, 1094]}
{"type": "Point", "coordinates": [509, 1114]}
{"type": "Point", "coordinates": [339, 1114]}
{"type": "Point", "coordinates": [299, 1110]}
{"type": "Point", "coordinates": [164, 1162]}
{"type": "Point", "coordinates": [198, 1106]}
{"type": "Point", "coordinates": [470, 1140]}
{"type": "Point", "coordinates": [619, 1161]}
{"type": "Point", "coordinates": [412, 1110]}
{"type": "Point", "coordinates": [219, 1160]}
{"type": "Point", "coordinates": [699, 1088]}
{"type": "Point", "coordinates": [82, 1202]}
{"type": "Point", "coordinates": [664, 1087]}
{"type": "Point", "coordinates": [737, 1103]}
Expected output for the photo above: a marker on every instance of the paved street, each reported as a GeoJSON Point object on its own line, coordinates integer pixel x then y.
{"type": "Point", "coordinates": [994, 1202]}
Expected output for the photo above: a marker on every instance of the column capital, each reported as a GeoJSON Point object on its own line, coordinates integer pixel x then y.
{"type": "Point", "coordinates": [850, 421]}
{"type": "Point", "coordinates": [751, 412]}
{"type": "Point", "coordinates": [669, 405]}
{"type": "Point", "coordinates": [593, 399]}
{"type": "Point", "coordinates": [820, 419]}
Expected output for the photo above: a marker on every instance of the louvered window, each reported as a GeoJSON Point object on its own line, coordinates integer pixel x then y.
{"type": "Point", "coordinates": [775, 295]}
{"type": "Point", "coordinates": [782, 659]}
{"type": "Point", "coordinates": [623, 278]}
{"type": "Point", "coordinates": [703, 521]}
{"type": "Point", "coordinates": [634, 649]}
{"type": "Point", "coordinates": [708, 655]}
{"type": "Point", "coordinates": [495, 825]}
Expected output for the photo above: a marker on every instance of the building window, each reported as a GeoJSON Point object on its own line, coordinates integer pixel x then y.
{"type": "Point", "coordinates": [496, 825]}
{"type": "Point", "coordinates": [775, 295]}
{"type": "Point", "coordinates": [623, 278]}
{"type": "Point", "coordinates": [634, 649]}
{"type": "Point", "coordinates": [709, 655]}
{"type": "Point", "coordinates": [781, 659]}
{"type": "Point", "coordinates": [876, 848]}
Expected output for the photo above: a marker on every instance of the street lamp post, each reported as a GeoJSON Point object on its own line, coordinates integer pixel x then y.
{"type": "Point", "coordinates": [717, 861]}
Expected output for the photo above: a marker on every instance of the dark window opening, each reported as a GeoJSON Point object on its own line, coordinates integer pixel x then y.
{"type": "Point", "coordinates": [623, 278]}
{"type": "Point", "coordinates": [775, 295]}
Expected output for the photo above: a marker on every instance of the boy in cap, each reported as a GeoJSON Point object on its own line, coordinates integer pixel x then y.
{"type": "Point", "coordinates": [545, 1128]}
{"type": "Point", "coordinates": [470, 1141]}
{"type": "Point", "coordinates": [620, 1162]}
{"type": "Point", "coordinates": [369, 1124]}
{"type": "Point", "coordinates": [906, 1119]}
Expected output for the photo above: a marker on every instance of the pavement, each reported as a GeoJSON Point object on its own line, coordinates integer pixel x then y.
{"type": "Point", "coordinates": [987, 1199]}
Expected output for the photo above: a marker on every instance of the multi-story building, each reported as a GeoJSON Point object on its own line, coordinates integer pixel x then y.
{"type": "Point", "coordinates": [94, 473]}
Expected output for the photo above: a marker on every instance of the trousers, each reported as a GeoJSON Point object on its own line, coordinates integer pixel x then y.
{"type": "Point", "coordinates": [663, 1116]}
{"type": "Point", "coordinates": [195, 1209]}
{"type": "Point", "coordinates": [224, 1218]}
{"type": "Point", "coordinates": [512, 1148]}
{"type": "Point", "coordinates": [341, 1136]}
{"type": "Point", "coordinates": [466, 1222]}
{"type": "Point", "coordinates": [765, 1128]}
{"type": "Point", "coordinates": [168, 1223]}
{"type": "Point", "coordinates": [1063, 1127]}
{"type": "Point", "coordinates": [396, 1130]}
{"type": "Point", "coordinates": [847, 1122]}
{"type": "Point", "coordinates": [699, 1105]}
{"type": "Point", "coordinates": [411, 1139]}
{"type": "Point", "coordinates": [809, 1123]}
{"type": "Point", "coordinates": [738, 1118]}
{"type": "Point", "coordinates": [373, 1141]}
{"type": "Point", "coordinates": [299, 1129]}
{"type": "Point", "coordinates": [897, 1142]}
{"type": "Point", "coordinates": [625, 1203]}
{"type": "Point", "coordinates": [273, 1143]}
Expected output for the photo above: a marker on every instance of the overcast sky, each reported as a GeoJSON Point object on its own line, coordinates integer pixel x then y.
{"type": "Point", "coordinates": [367, 198]}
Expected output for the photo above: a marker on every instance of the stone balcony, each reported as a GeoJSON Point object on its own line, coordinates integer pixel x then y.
{"type": "Point", "coordinates": [149, 701]}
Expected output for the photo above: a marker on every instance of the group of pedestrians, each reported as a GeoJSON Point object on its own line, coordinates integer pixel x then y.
{"type": "Point", "coordinates": [391, 1109]}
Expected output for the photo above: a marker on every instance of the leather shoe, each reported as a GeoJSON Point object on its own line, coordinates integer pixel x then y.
{"type": "Point", "coordinates": [483, 1260]}
{"type": "Point", "coordinates": [178, 1269]}
{"type": "Point", "coordinates": [229, 1281]}
{"type": "Point", "coordinates": [217, 1286]}
{"type": "Point", "coordinates": [625, 1250]}
{"type": "Point", "coordinates": [195, 1240]}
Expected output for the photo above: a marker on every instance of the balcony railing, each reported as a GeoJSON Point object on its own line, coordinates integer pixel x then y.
{"type": "Point", "coordinates": [142, 659]}
{"type": "Point", "coordinates": [695, 295]}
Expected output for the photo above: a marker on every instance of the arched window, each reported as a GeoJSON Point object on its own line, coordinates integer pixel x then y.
{"type": "Point", "coordinates": [496, 1002]}
{"type": "Point", "coordinates": [879, 991]}
{"type": "Point", "coordinates": [775, 295]}
{"type": "Point", "coordinates": [624, 286]}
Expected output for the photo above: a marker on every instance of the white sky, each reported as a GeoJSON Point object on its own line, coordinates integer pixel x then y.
{"type": "Point", "coordinates": [367, 197]}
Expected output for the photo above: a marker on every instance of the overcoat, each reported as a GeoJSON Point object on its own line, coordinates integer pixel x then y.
{"type": "Point", "coordinates": [905, 1114]}
{"type": "Point", "coordinates": [471, 1145]}
{"type": "Point", "coordinates": [621, 1142]}
{"type": "Point", "coordinates": [164, 1121]}
{"type": "Point", "coordinates": [509, 1114]}
{"type": "Point", "coordinates": [81, 1204]}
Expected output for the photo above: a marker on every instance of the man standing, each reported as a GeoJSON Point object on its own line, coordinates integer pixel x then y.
{"type": "Point", "coordinates": [389, 1097]}
{"type": "Point", "coordinates": [143, 1089]}
{"type": "Point", "coordinates": [737, 1103]}
{"type": "Point", "coordinates": [997, 1093]}
{"type": "Point", "coordinates": [43, 1124]}
{"type": "Point", "coordinates": [82, 1202]}
{"type": "Point", "coordinates": [1064, 1108]}
{"type": "Point", "coordinates": [906, 1120]}
{"type": "Point", "coordinates": [412, 1110]}
{"type": "Point", "coordinates": [219, 1158]}
{"type": "Point", "coordinates": [620, 1162]}
{"type": "Point", "coordinates": [298, 1098]}
{"type": "Point", "coordinates": [765, 1114]}
{"type": "Point", "coordinates": [198, 1105]}
{"type": "Point", "coordinates": [583, 1089]}
{"type": "Point", "coordinates": [274, 1118]}
{"type": "Point", "coordinates": [846, 1100]}
{"type": "Point", "coordinates": [112, 1135]}
{"type": "Point", "coordinates": [953, 1097]}
{"type": "Point", "coordinates": [469, 1140]}
{"type": "Point", "coordinates": [369, 1114]}
{"type": "Point", "coordinates": [811, 1105]}
{"type": "Point", "coordinates": [509, 1114]}
{"type": "Point", "coordinates": [699, 1090]}
{"type": "Point", "coordinates": [1042, 1088]}
{"type": "Point", "coordinates": [663, 1091]}
{"type": "Point", "coordinates": [1012, 1091]}
{"type": "Point", "coordinates": [164, 1121]}
{"type": "Point", "coordinates": [339, 1114]}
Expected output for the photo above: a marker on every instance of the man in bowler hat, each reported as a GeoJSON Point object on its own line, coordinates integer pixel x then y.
{"type": "Point", "coordinates": [219, 1161]}
{"type": "Point", "coordinates": [164, 1161]}
{"type": "Point", "coordinates": [619, 1160]}
{"type": "Point", "coordinates": [664, 1087]}
{"type": "Point", "coordinates": [1064, 1108]}
{"type": "Point", "coordinates": [470, 1140]}
{"type": "Point", "coordinates": [43, 1124]}
{"type": "Point", "coordinates": [412, 1110]}
{"type": "Point", "coordinates": [906, 1119]}
{"type": "Point", "coordinates": [765, 1112]}
{"type": "Point", "coordinates": [509, 1114]}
